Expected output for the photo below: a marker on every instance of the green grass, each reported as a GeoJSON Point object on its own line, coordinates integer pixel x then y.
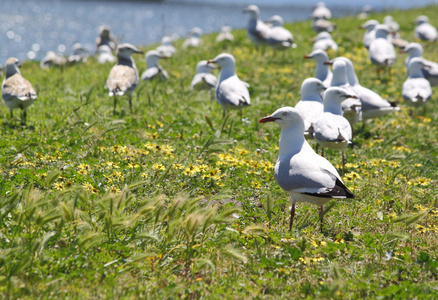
{"type": "Point", "coordinates": [173, 201]}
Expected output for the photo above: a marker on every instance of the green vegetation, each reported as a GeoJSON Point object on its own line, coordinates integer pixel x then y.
{"type": "Point", "coordinates": [173, 201]}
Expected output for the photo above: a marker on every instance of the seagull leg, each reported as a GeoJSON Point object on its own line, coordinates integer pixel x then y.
{"type": "Point", "coordinates": [130, 104]}
{"type": "Point", "coordinates": [322, 151]}
{"type": "Point", "coordinates": [292, 215]}
{"type": "Point", "coordinates": [23, 120]}
{"type": "Point", "coordinates": [12, 115]}
{"type": "Point", "coordinates": [343, 162]}
{"type": "Point", "coordinates": [223, 113]}
{"type": "Point", "coordinates": [115, 104]}
{"type": "Point", "coordinates": [321, 215]}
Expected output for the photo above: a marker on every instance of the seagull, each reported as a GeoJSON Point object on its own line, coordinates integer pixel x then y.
{"type": "Point", "coordinates": [80, 54]}
{"type": "Point", "coordinates": [322, 72]}
{"type": "Point", "coordinates": [320, 25]}
{"type": "Point", "coordinates": [305, 175]}
{"type": "Point", "coordinates": [370, 34]}
{"type": "Point", "coordinates": [194, 40]}
{"type": "Point", "coordinates": [389, 21]}
{"type": "Point", "coordinates": [166, 48]}
{"type": "Point", "coordinates": [52, 60]}
{"type": "Point", "coordinates": [123, 77]}
{"type": "Point", "coordinates": [225, 35]}
{"type": "Point", "coordinates": [310, 106]}
{"type": "Point", "coordinates": [279, 37]}
{"type": "Point", "coordinates": [153, 68]}
{"type": "Point", "coordinates": [106, 38]}
{"type": "Point", "coordinates": [17, 92]}
{"type": "Point", "coordinates": [231, 92]}
{"type": "Point", "coordinates": [203, 79]}
{"type": "Point", "coordinates": [430, 72]}
{"type": "Point", "coordinates": [331, 129]}
{"type": "Point", "coordinates": [257, 30]}
{"type": "Point", "coordinates": [321, 11]}
{"type": "Point", "coordinates": [416, 89]}
{"type": "Point", "coordinates": [324, 41]}
{"type": "Point", "coordinates": [365, 12]}
{"type": "Point", "coordinates": [381, 51]}
{"type": "Point", "coordinates": [424, 30]}
{"type": "Point", "coordinates": [104, 55]}
{"type": "Point", "coordinates": [373, 106]}
{"type": "Point", "coordinates": [351, 106]}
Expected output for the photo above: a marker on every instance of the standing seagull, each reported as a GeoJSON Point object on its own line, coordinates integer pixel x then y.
{"type": "Point", "coordinates": [424, 30]}
{"type": "Point", "coordinates": [305, 175]}
{"type": "Point", "coordinates": [104, 55]}
{"type": "Point", "coordinates": [332, 130]}
{"type": "Point", "coordinates": [225, 35]}
{"type": "Point", "coordinates": [203, 79]}
{"type": "Point", "coordinates": [106, 38]}
{"type": "Point", "coordinates": [194, 40]}
{"type": "Point", "coordinates": [123, 77]}
{"type": "Point", "coordinates": [322, 71]}
{"type": "Point", "coordinates": [321, 11]}
{"type": "Point", "coordinates": [166, 48]}
{"type": "Point", "coordinates": [370, 32]}
{"type": "Point", "coordinates": [381, 51]}
{"type": "Point", "coordinates": [430, 72]}
{"type": "Point", "coordinates": [324, 41]}
{"type": "Point", "coordinates": [416, 89]}
{"type": "Point", "coordinates": [17, 92]}
{"type": "Point", "coordinates": [257, 30]}
{"type": "Point", "coordinates": [153, 69]}
{"type": "Point", "coordinates": [279, 37]}
{"type": "Point", "coordinates": [231, 92]}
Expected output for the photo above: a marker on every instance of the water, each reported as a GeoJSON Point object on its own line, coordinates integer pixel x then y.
{"type": "Point", "coordinates": [30, 28]}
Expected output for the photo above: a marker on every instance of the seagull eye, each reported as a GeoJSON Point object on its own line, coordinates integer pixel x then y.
{"type": "Point", "coordinates": [284, 113]}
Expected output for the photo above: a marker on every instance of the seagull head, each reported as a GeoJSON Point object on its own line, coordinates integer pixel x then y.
{"type": "Point", "coordinates": [338, 94]}
{"type": "Point", "coordinates": [275, 21]}
{"type": "Point", "coordinates": [126, 50]}
{"type": "Point", "coordinates": [310, 86]}
{"type": "Point", "coordinates": [153, 56]}
{"type": "Point", "coordinates": [204, 67]}
{"type": "Point", "coordinates": [253, 11]}
{"type": "Point", "coordinates": [369, 25]}
{"type": "Point", "coordinates": [422, 19]}
{"type": "Point", "coordinates": [104, 31]}
{"type": "Point", "coordinates": [413, 49]}
{"type": "Point", "coordinates": [223, 60]}
{"type": "Point", "coordinates": [382, 31]}
{"type": "Point", "coordinates": [12, 65]}
{"type": "Point", "coordinates": [285, 117]}
{"type": "Point", "coordinates": [318, 56]}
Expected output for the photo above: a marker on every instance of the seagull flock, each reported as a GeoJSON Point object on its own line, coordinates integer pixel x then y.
{"type": "Point", "coordinates": [332, 101]}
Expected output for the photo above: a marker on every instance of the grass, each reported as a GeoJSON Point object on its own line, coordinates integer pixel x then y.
{"type": "Point", "coordinates": [173, 201]}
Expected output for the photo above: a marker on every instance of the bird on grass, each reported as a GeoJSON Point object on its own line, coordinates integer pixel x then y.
{"type": "Point", "coordinates": [425, 31]}
{"type": "Point", "coordinates": [17, 92]}
{"type": "Point", "coordinates": [203, 79]}
{"type": "Point", "coordinates": [305, 175]}
{"type": "Point", "coordinates": [123, 77]}
{"type": "Point", "coordinates": [416, 89]}
{"type": "Point", "coordinates": [154, 70]}
{"type": "Point", "coordinates": [430, 72]}
{"type": "Point", "coordinates": [256, 29]}
{"type": "Point", "coordinates": [322, 71]}
{"type": "Point", "coordinates": [381, 51]}
{"type": "Point", "coordinates": [231, 92]}
{"type": "Point", "coordinates": [279, 38]}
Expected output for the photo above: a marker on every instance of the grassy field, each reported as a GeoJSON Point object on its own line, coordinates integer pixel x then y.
{"type": "Point", "coordinates": [173, 201]}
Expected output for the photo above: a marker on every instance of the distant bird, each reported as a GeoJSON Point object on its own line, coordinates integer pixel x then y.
{"type": "Point", "coordinates": [231, 92]}
{"type": "Point", "coordinates": [105, 55]}
{"type": "Point", "coordinates": [322, 71]}
{"type": "Point", "coordinates": [123, 77]}
{"type": "Point", "coordinates": [351, 106]}
{"type": "Point", "coordinates": [17, 92]}
{"type": "Point", "coordinates": [416, 89]}
{"type": "Point", "coordinates": [52, 60]}
{"type": "Point", "coordinates": [389, 21]}
{"type": "Point", "coordinates": [370, 34]}
{"type": "Point", "coordinates": [225, 35]}
{"type": "Point", "coordinates": [320, 11]}
{"type": "Point", "coordinates": [154, 70]}
{"type": "Point", "coordinates": [373, 106]}
{"type": "Point", "coordinates": [256, 29]}
{"type": "Point", "coordinates": [166, 48]}
{"type": "Point", "coordinates": [80, 54]}
{"type": "Point", "coordinates": [331, 129]}
{"type": "Point", "coordinates": [431, 71]}
{"type": "Point", "coordinates": [324, 41]}
{"type": "Point", "coordinates": [310, 107]}
{"type": "Point", "coordinates": [365, 12]}
{"type": "Point", "coordinates": [381, 51]}
{"type": "Point", "coordinates": [203, 79]}
{"type": "Point", "coordinates": [305, 175]}
{"type": "Point", "coordinates": [320, 25]}
{"type": "Point", "coordinates": [424, 30]}
{"type": "Point", "coordinates": [194, 40]}
{"type": "Point", "coordinates": [279, 37]}
{"type": "Point", "coordinates": [106, 38]}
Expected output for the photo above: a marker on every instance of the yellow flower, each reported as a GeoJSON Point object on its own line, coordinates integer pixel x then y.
{"type": "Point", "coordinates": [158, 167]}
{"type": "Point", "coordinates": [177, 166]}
{"type": "Point", "coordinates": [112, 189]}
{"type": "Point", "coordinates": [59, 186]}
{"type": "Point", "coordinates": [144, 175]}
{"type": "Point", "coordinates": [256, 184]}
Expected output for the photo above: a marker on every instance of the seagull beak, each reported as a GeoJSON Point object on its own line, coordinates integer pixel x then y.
{"type": "Point", "coordinates": [307, 56]}
{"type": "Point", "coordinates": [427, 66]}
{"type": "Point", "coordinates": [138, 51]}
{"type": "Point", "coordinates": [210, 61]}
{"type": "Point", "coordinates": [350, 96]}
{"type": "Point", "coordinates": [328, 63]}
{"type": "Point", "coordinates": [165, 57]}
{"type": "Point", "coordinates": [360, 27]}
{"type": "Point", "coordinates": [402, 51]}
{"type": "Point", "coordinates": [267, 119]}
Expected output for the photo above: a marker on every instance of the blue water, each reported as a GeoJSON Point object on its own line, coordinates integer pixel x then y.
{"type": "Point", "coordinates": [30, 28]}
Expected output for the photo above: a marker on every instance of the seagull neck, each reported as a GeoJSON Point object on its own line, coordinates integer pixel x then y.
{"type": "Point", "coordinates": [415, 72]}
{"type": "Point", "coordinates": [227, 72]}
{"type": "Point", "coordinates": [291, 141]}
{"type": "Point", "coordinates": [322, 70]}
{"type": "Point", "coordinates": [126, 61]}
{"type": "Point", "coordinates": [339, 79]}
{"type": "Point", "coordinates": [11, 71]}
{"type": "Point", "coordinates": [310, 96]}
{"type": "Point", "coordinates": [352, 78]}
{"type": "Point", "coordinates": [333, 107]}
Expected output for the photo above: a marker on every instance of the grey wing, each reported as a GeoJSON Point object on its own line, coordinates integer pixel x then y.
{"type": "Point", "coordinates": [18, 87]}
{"type": "Point", "coordinates": [233, 92]}
{"type": "Point", "coordinates": [150, 73]}
{"type": "Point", "coordinates": [121, 79]}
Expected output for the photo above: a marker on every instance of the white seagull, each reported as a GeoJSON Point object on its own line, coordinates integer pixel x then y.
{"type": "Point", "coordinates": [305, 175]}
{"type": "Point", "coordinates": [322, 71]}
{"type": "Point", "coordinates": [231, 92]}
{"type": "Point", "coordinates": [381, 51]}
{"type": "Point", "coordinates": [106, 38]}
{"type": "Point", "coordinates": [370, 32]}
{"type": "Point", "coordinates": [154, 70]}
{"type": "Point", "coordinates": [256, 29]}
{"type": "Point", "coordinates": [331, 129]}
{"type": "Point", "coordinates": [416, 89]}
{"type": "Point", "coordinates": [279, 37]}
{"type": "Point", "coordinates": [105, 55]}
{"type": "Point", "coordinates": [424, 30]}
{"type": "Point", "coordinates": [80, 54]}
{"type": "Point", "coordinates": [320, 25]}
{"type": "Point", "coordinates": [310, 106]}
{"type": "Point", "coordinates": [324, 41]}
{"type": "Point", "coordinates": [123, 77]}
{"type": "Point", "coordinates": [365, 12]}
{"type": "Point", "coordinates": [52, 60]}
{"type": "Point", "coordinates": [389, 21]}
{"type": "Point", "coordinates": [225, 35]}
{"type": "Point", "coordinates": [373, 106]}
{"type": "Point", "coordinates": [194, 40]}
{"type": "Point", "coordinates": [430, 72]}
{"type": "Point", "coordinates": [321, 11]}
{"type": "Point", "coordinates": [166, 48]}
{"type": "Point", "coordinates": [203, 79]}
{"type": "Point", "coordinates": [17, 92]}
